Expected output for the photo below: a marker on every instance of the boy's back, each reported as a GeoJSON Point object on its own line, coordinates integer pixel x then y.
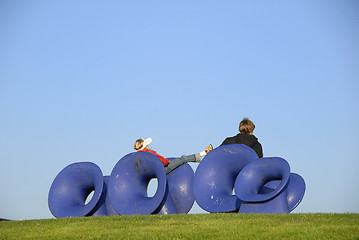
{"type": "Point", "coordinates": [246, 137]}
{"type": "Point", "coordinates": [249, 140]}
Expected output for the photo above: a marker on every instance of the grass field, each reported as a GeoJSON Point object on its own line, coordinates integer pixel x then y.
{"type": "Point", "coordinates": [188, 226]}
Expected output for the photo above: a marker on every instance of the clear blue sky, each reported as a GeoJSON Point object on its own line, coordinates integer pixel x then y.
{"type": "Point", "coordinates": [82, 80]}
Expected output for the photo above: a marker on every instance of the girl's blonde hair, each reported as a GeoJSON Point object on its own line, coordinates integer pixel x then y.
{"type": "Point", "coordinates": [138, 144]}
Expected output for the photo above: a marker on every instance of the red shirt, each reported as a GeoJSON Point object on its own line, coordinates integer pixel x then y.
{"type": "Point", "coordinates": [164, 160]}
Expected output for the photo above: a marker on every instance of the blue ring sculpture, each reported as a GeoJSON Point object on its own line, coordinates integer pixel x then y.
{"type": "Point", "coordinates": [261, 185]}
{"type": "Point", "coordinates": [180, 186]}
{"type": "Point", "coordinates": [180, 197]}
{"type": "Point", "coordinates": [103, 207]}
{"type": "Point", "coordinates": [256, 174]}
{"type": "Point", "coordinates": [295, 189]}
{"type": "Point", "coordinates": [128, 183]}
{"type": "Point", "coordinates": [108, 205]}
{"type": "Point", "coordinates": [216, 174]}
{"type": "Point", "coordinates": [71, 187]}
{"type": "Point", "coordinates": [250, 186]}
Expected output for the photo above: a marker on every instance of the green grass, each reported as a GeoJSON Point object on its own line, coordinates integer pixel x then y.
{"type": "Point", "coordinates": [188, 226]}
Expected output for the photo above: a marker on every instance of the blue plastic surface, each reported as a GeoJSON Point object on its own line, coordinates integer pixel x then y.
{"type": "Point", "coordinates": [295, 189]}
{"type": "Point", "coordinates": [180, 186]}
{"type": "Point", "coordinates": [71, 187]}
{"type": "Point", "coordinates": [258, 173]}
{"type": "Point", "coordinates": [216, 174]}
{"type": "Point", "coordinates": [104, 206]}
{"type": "Point", "coordinates": [180, 197]}
{"type": "Point", "coordinates": [100, 208]}
{"type": "Point", "coordinates": [109, 208]}
{"type": "Point", "coordinates": [278, 204]}
{"type": "Point", "coordinates": [167, 206]}
{"type": "Point", "coordinates": [129, 180]}
{"type": "Point", "coordinates": [261, 186]}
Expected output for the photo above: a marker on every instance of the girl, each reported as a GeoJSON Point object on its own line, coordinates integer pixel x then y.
{"type": "Point", "coordinates": [141, 145]}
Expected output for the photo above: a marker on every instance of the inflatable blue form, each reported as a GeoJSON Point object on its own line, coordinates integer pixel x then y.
{"type": "Point", "coordinates": [125, 191]}
{"type": "Point", "coordinates": [215, 176]}
{"type": "Point", "coordinates": [179, 197]}
{"type": "Point", "coordinates": [104, 206]}
{"type": "Point", "coordinates": [230, 178]}
{"type": "Point", "coordinates": [262, 185]}
{"type": "Point", "coordinates": [71, 187]}
{"type": "Point", "coordinates": [180, 186]}
{"type": "Point", "coordinates": [129, 180]}
{"type": "Point", "coordinates": [294, 190]}
{"type": "Point", "coordinates": [252, 179]}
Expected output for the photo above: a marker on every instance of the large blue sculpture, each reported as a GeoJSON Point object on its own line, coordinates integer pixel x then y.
{"type": "Point", "coordinates": [180, 186]}
{"type": "Point", "coordinates": [129, 180]}
{"type": "Point", "coordinates": [179, 197]}
{"type": "Point", "coordinates": [230, 178]}
{"type": "Point", "coordinates": [71, 187]}
{"type": "Point", "coordinates": [253, 178]}
{"type": "Point", "coordinates": [294, 189]}
{"type": "Point", "coordinates": [216, 174]}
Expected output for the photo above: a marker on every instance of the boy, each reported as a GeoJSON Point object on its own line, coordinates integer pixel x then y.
{"type": "Point", "coordinates": [246, 137]}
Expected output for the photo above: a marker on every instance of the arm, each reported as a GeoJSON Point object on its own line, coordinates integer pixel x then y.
{"type": "Point", "coordinates": [227, 141]}
{"type": "Point", "coordinates": [164, 160]}
{"type": "Point", "coordinates": [258, 149]}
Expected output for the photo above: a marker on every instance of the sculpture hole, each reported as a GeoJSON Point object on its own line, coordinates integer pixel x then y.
{"type": "Point", "coordinates": [89, 197]}
{"type": "Point", "coordinates": [152, 187]}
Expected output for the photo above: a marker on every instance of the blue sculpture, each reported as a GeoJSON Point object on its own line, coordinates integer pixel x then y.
{"type": "Point", "coordinates": [180, 197]}
{"type": "Point", "coordinates": [294, 190]}
{"type": "Point", "coordinates": [71, 187]}
{"type": "Point", "coordinates": [231, 178]}
{"type": "Point", "coordinates": [251, 181]}
{"type": "Point", "coordinates": [215, 176]}
{"type": "Point", "coordinates": [129, 180]}
{"type": "Point", "coordinates": [103, 206]}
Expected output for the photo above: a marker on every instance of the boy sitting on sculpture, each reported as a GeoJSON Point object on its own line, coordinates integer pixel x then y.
{"type": "Point", "coordinates": [246, 137]}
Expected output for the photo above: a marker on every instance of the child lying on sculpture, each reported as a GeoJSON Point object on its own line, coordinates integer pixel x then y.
{"type": "Point", "coordinates": [141, 145]}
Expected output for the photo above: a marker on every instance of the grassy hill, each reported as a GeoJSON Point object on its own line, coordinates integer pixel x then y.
{"type": "Point", "coordinates": [188, 226]}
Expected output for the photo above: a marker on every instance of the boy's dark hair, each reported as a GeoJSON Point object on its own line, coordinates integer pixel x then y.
{"type": "Point", "coordinates": [246, 126]}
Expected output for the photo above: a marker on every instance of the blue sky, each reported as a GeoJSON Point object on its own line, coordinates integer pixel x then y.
{"type": "Point", "coordinates": [82, 80]}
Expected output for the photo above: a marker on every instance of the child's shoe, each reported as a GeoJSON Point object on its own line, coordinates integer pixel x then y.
{"type": "Point", "coordinates": [209, 148]}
